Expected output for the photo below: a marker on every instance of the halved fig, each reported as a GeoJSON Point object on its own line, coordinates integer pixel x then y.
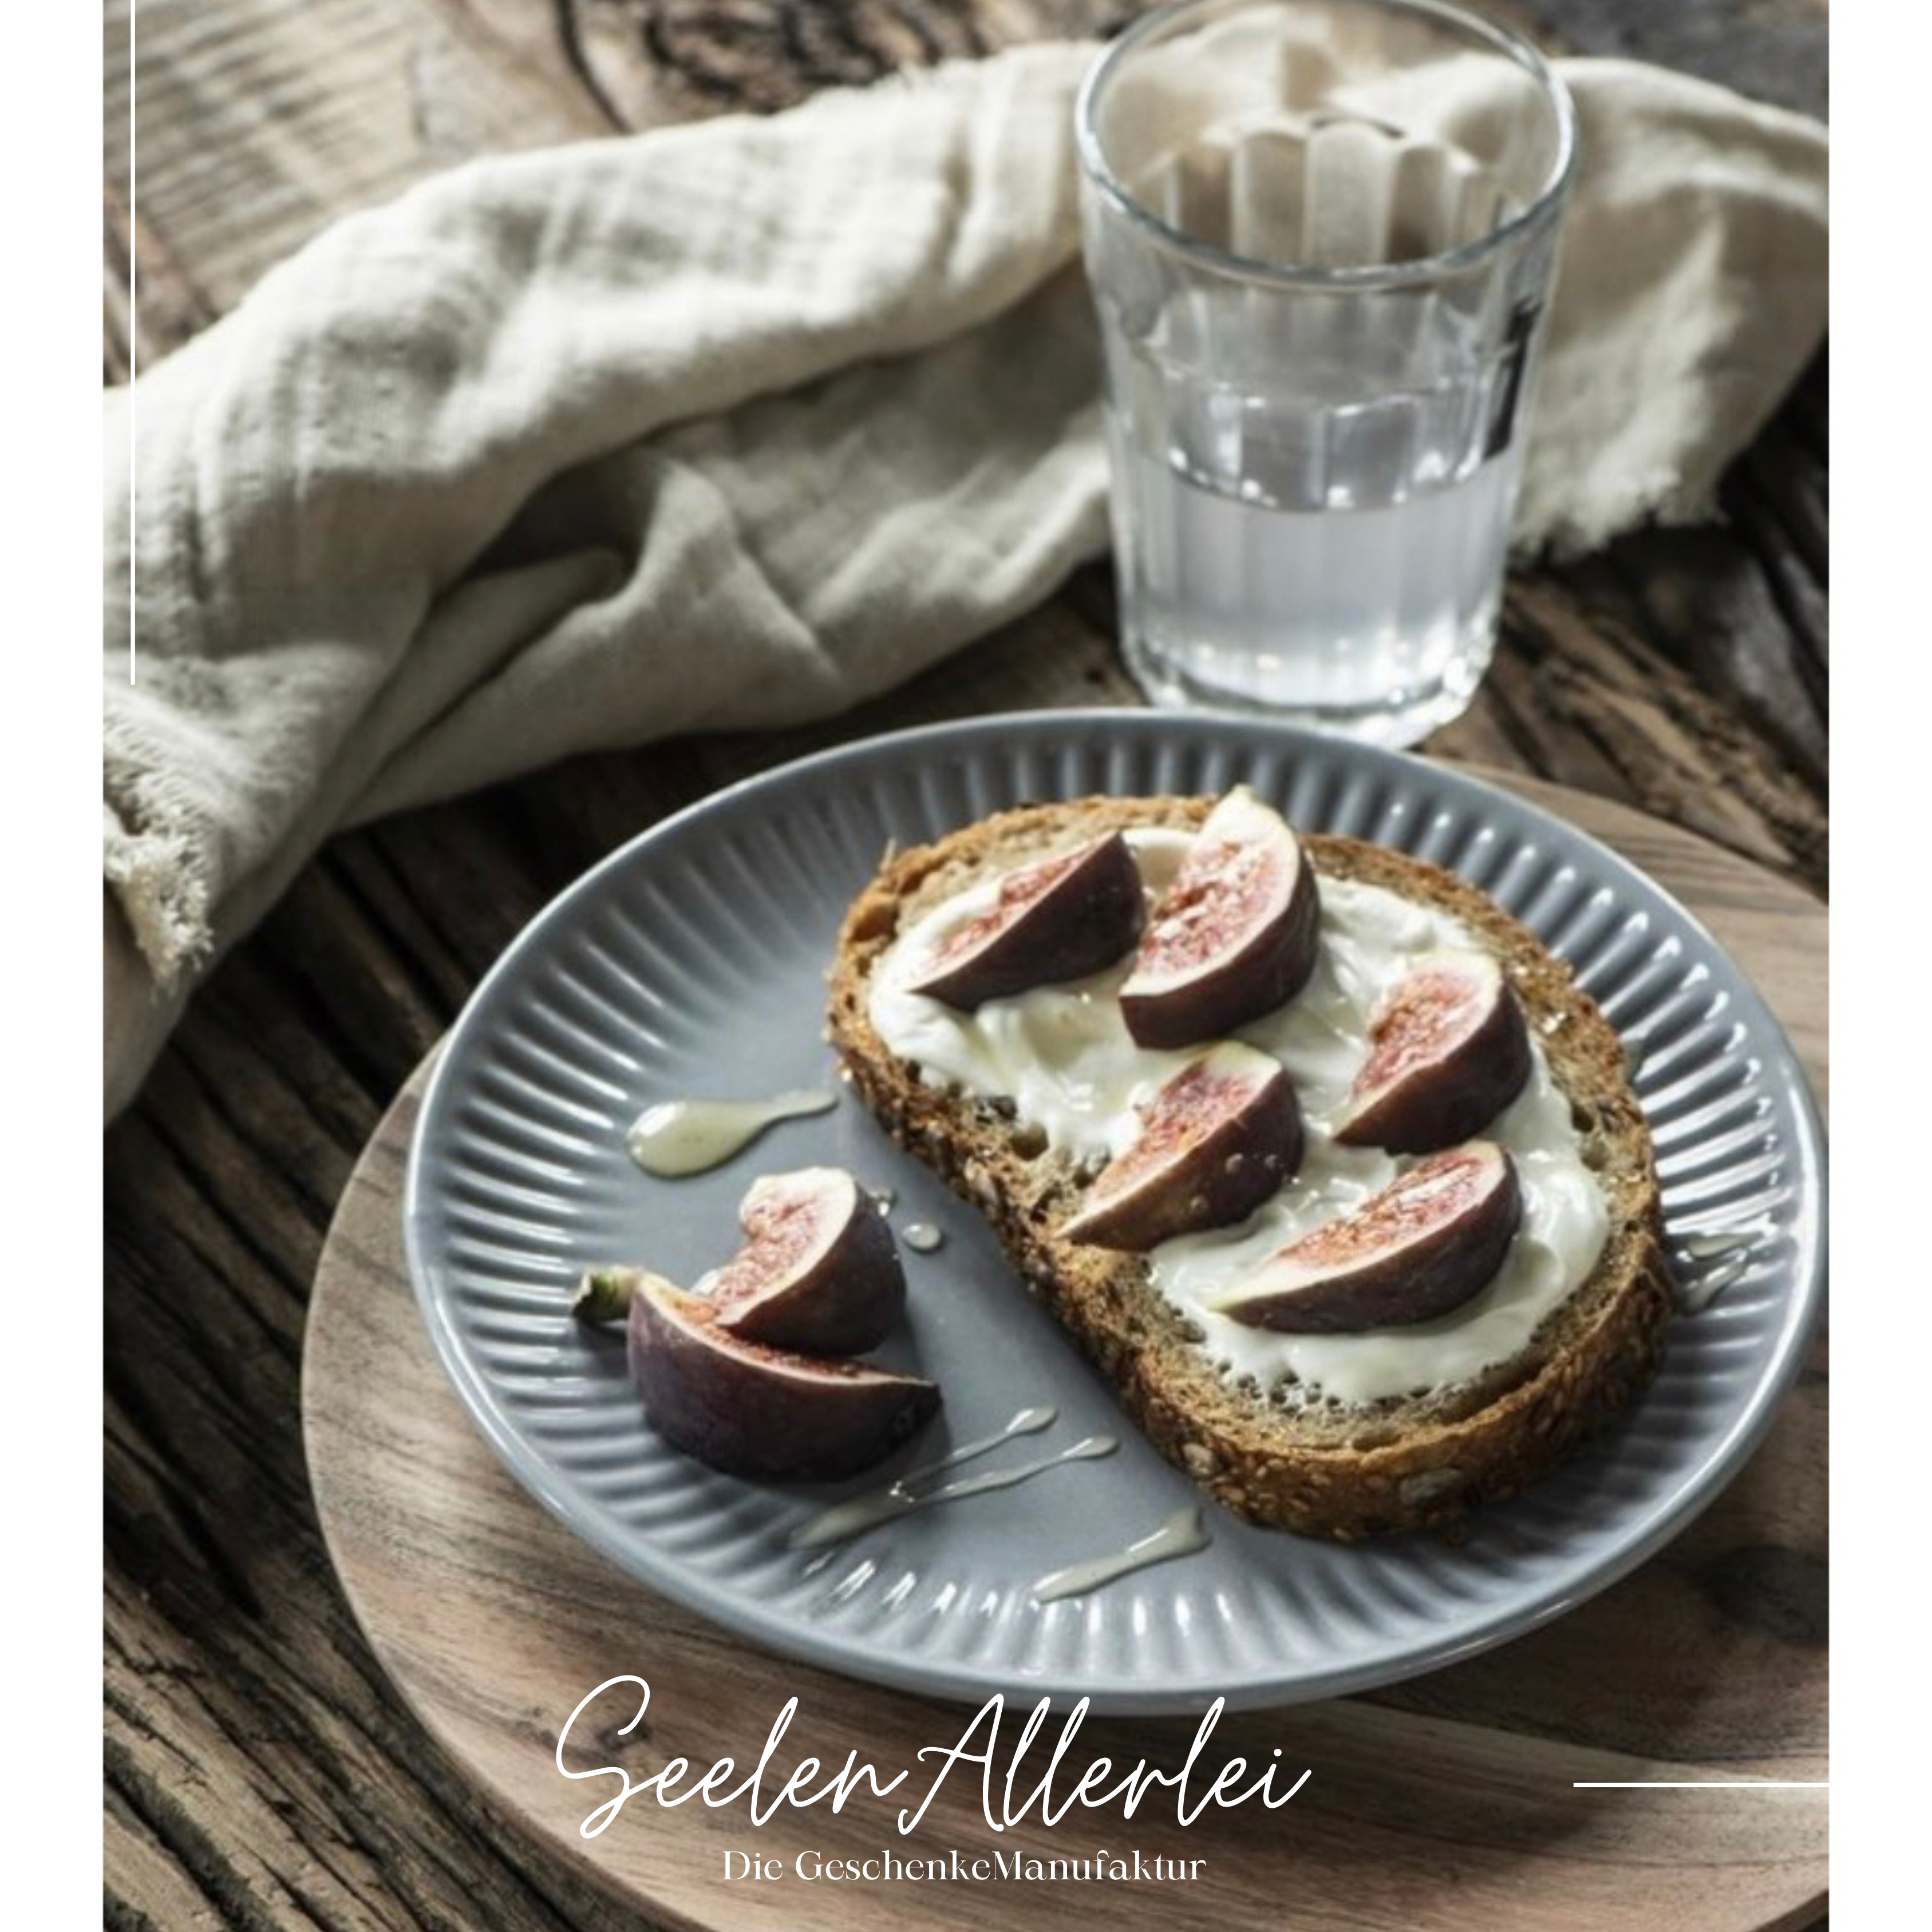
{"type": "Point", "coordinates": [819, 1271]}
{"type": "Point", "coordinates": [765, 1413]}
{"type": "Point", "coordinates": [1234, 938]}
{"type": "Point", "coordinates": [1448, 1051]}
{"type": "Point", "coordinates": [1215, 1142]}
{"type": "Point", "coordinates": [1429, 1241]}
{"type": "Point", "coordinates": [1059, 920]}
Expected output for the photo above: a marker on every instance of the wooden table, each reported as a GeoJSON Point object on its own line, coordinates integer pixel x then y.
{"type": "Point", "coordinates": [261, 1773]}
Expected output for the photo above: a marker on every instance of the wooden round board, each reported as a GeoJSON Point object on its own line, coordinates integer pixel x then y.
{"type": "Point", "coordinates": [1445, 1802]}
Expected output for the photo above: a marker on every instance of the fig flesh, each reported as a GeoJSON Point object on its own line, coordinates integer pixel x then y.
{"type": "Point", "coordinates": [819, 1271]}
{"type": "Point", "coordinates": [1058, 920]}
{"type": "Point", "coordinates": [1448, 1051]}
{"type": "Point", "coordinates": [1215, 1142]}
{"type": "Point", "coordinates": [1429, 1241]}
{"type": "Point", "coordinates": [1234, 936]}
{"type": "Point", "coordinates": [768, 1413]}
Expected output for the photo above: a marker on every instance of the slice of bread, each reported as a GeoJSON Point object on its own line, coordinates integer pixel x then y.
{"type": "Point", "coordinates": [1405, 1463]}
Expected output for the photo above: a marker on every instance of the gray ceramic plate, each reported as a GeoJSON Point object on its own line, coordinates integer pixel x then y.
{"type": "Point", "coordinates": [692, 962]}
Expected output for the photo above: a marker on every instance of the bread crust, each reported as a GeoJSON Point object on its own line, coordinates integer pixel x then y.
{"type": "Point", "coordinates": [1408, 1464]}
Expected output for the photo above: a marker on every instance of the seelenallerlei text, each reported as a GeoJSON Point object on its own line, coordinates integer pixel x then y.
{"type": "Point", "coordinates": [1005, 1800]}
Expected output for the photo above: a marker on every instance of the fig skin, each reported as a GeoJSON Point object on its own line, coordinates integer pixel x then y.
{"type": "Point", "coordinates": [820, 1271]}
{"type": "Point", "coordinates": [1397, 1259]}
{"type": "Point", "coordinates": [1220, 1138]}
{"type": "Point", "coordinates": [767, 1414]}
{"type": "Point", "coordinates": [1451, 1088]}
{"type": "Point", "coordinates": [1247, 888]}
{"type": "Point", "coordinates": [1086, 914]}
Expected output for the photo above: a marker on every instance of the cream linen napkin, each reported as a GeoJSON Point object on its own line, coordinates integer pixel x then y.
{"type": "Point", "coordinates": [736, 424]}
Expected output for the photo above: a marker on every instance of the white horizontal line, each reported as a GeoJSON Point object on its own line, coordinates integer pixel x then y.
{"type": "Point", "coordinates": [1706, 1784]}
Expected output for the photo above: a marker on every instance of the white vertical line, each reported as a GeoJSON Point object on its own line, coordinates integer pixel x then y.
{"type": "Point", "coordinates": [134, 340]}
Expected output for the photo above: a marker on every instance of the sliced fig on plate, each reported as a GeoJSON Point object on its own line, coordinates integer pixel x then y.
{"type": "Point", "coordinates": [768, 1413]}
{"type": "Point", "coordinates": [1429, 1241]}
{"type": "Point", "coordinates": [1234, 936]}
{"type": "Point", "coordinates": [1060, 919]}
{"type": "Point", "coordinates": [819, 1271]}
{"type": "Point", "coordinates": [1448, 1051]}
{"type": "Point", "coordinates": [1215, 1142]}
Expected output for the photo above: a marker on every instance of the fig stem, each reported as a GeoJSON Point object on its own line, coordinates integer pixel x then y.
{"type": "Point", "coordinates": [605, 1294]}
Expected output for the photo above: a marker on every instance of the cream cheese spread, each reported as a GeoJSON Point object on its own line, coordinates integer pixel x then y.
{"type": "Point", "coordinates": [1063, 1057]}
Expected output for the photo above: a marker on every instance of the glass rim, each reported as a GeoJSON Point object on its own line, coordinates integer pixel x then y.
{"type": "Point", "coordinates": [1418, 270]}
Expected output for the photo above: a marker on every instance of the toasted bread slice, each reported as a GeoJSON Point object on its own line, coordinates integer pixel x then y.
{"type": "Point", "coordinates": [1404, 1463]}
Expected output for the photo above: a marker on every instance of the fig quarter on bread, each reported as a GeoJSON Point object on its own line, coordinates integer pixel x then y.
{"type": "Point", "coordinates": [1056, 919]}
{"type": "Point", "coordinates": [1430, 1241]}
{"type": "Point", "coordinates": [1214, 1143]}
{"type": "Point", "coordinates": [1448, 1051]}
{"type": "Point", "coordinates": [1233, 936]}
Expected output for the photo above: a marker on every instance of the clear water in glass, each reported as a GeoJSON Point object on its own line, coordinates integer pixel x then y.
{"type": "Point", "coordinates": [1283, 544]}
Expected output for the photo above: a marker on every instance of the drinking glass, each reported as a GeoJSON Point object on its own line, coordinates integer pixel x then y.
{"type": "Point", "coordinates": [1320, 235]}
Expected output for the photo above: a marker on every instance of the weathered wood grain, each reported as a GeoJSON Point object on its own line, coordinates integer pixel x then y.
{"type": "Point", "coordinates": [262, 1773]}
{"type": "Point", "coordinates": [1446, 1801]}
